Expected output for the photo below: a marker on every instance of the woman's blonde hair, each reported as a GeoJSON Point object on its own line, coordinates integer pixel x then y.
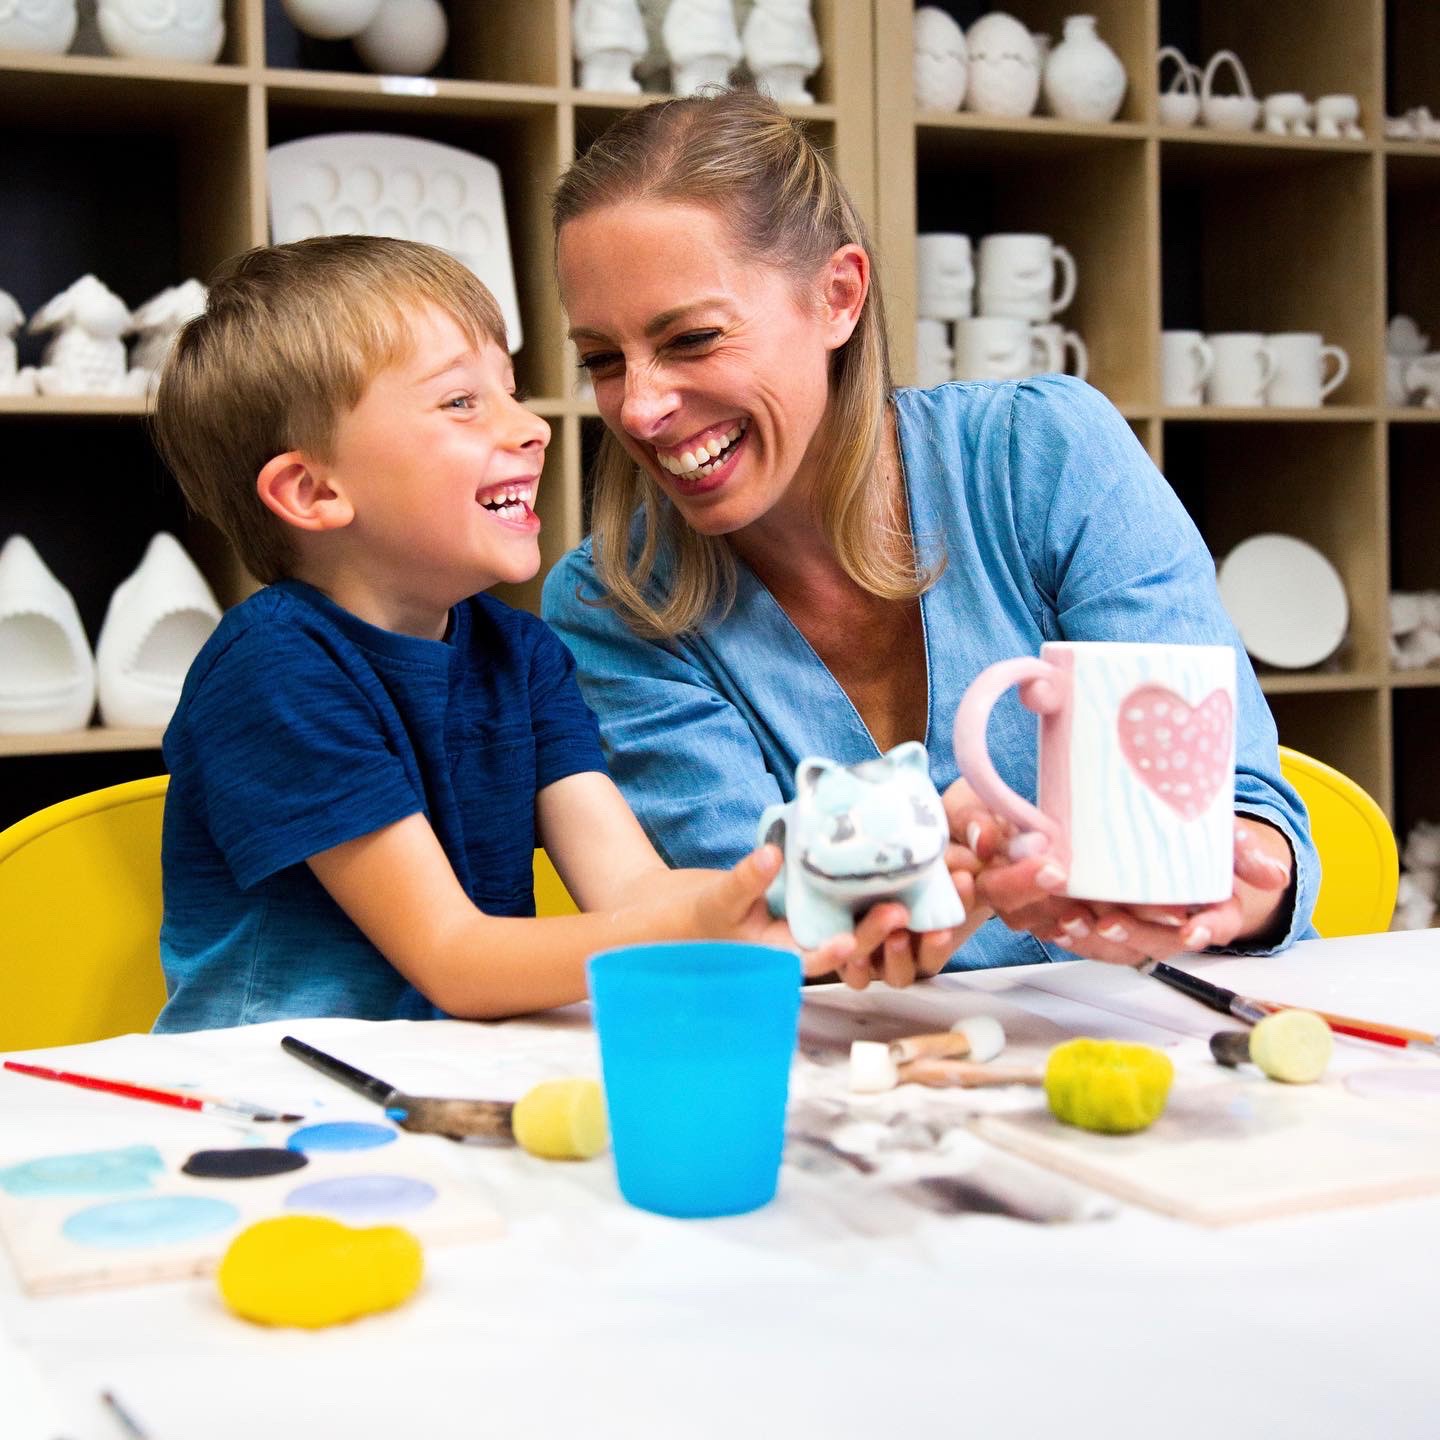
{"type": "Point", "coordinates": [739, 155]}
{"type": "Point", "coordinates": [290, 339]}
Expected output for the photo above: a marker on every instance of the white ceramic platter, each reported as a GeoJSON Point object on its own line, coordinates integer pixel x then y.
{"type": "Point", "coordinates": [1286, 599]}
{"type": "Point", "coordinates": [360, 184]}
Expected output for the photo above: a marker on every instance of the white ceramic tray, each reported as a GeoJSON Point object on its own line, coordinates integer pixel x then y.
{"type": "Point", "coordinates": [360, 184]}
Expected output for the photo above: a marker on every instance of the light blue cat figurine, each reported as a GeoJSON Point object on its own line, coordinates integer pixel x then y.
{"type": "Point", "coordinates": [857, 834]}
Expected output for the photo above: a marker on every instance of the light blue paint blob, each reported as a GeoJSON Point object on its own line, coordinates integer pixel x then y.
{"type": "Point", "coordinates": [96, 1172]}
{"type": "Point", "coordinates": [341, 1135]}
{"type": "Point", "coordinates": [153, 1220]}
{"type": "Point", "coordinates": [360, 1199]}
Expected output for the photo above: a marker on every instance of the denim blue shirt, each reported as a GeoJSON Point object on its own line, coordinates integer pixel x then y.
{"type": "Point", "coordinates": [1055, 526]}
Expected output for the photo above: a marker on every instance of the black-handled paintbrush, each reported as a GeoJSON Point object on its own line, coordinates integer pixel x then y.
{"type": "Point", "coordinates": [424, 1114]}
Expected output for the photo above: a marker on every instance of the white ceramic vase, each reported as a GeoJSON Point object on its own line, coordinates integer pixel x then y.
{"type": "Point", "coordinates": [1004, 66]}
{"type": "Point", "coordinates": [782, 49]}
{"type": "Point", "coordinates": [47, 673]}
{"type": "Point", "coordinates": [1084, 79]}
{"type": "Point", "coordinates": [702, 43]}
{"type": "Point", "coordinates": [609, 40]}
{"type": "Point", "coordinates": [44, 27]}
{"type": "Point", "coordinates": [157, 620]}
{"type": "Point", "coordinates": [942, 64]}
{"type": "Point", "coordinates": [185, 30]}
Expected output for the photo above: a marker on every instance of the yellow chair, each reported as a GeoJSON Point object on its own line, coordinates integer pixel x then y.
{"type": "Point", "coordinates": [80, 917]}
{"type": "Point", "coordinates": [1361, 869]}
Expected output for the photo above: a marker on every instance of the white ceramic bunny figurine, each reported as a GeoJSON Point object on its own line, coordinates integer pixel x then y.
{"type": "Point", "coordinates": [702, 42]}
{"type": "Point", "coordinates": [610, 40]}
{"type": "Point", "coordinates": [87, 355]}
{"type": "Point", "coordinates": [782, 49]}
{"type": "Point", "coordinates": [158, 320]}
{"type": "Point", "coordinates": [13, 380]}
{"type": "Point", "coordinates": [189, 30]}
{"type": "Point", "coordinates": [44, 26]}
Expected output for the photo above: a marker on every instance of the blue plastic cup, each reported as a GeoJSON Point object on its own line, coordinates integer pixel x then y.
{"type": "Point", "coordinates": [696, 1040]}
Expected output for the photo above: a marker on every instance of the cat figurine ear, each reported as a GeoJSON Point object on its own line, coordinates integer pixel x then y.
{"type": "Point", "coordinates": [911, 754]}
{"type": "Point", "coordinates": [809, 772]}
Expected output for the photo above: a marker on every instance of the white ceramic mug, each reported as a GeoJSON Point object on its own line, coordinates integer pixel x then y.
{"type": "Point", "coordinates": [1136, 772]}
{"type": "Point", "coordinates": [1300, 357]}
{"type": "Point", "coordinates": [1062, 350]}
{"type": "Point", "coordinates": [995, 347]}
{"type": "Point", "coordinates": [1186, 360]}
{"type": "Point", "coordinates": [1026, 277]}
{"type": "Point", "coordinates": [934, 355]}
{"type": "Point", "coordinates": [945, 276]}
{"type": "Point", "coordinates": [1244, 368]}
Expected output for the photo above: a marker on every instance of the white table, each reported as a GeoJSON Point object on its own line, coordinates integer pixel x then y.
{"type": "Point", "coordinates": [808, 1318]}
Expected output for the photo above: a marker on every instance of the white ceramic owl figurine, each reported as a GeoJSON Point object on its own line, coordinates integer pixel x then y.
{"type": "Point", "coordinates": [942, 64]}
{"type": "Point", "coordinates": [1004, 66]}
{"type": "Point", "coordinates": [13, 380]}
{"type": "Point", "coordinates": [782, 49]}
{"type": "Point", "coordinates": [702, 42]}
{"type": "Point", "coordinates": [44, 26]}
{"type": "Point", "coordinates": [609, 41]}
{"type": "Point", "coordinates": [87, 355]}
{"type": "Point", "coordinates": [187, 30]}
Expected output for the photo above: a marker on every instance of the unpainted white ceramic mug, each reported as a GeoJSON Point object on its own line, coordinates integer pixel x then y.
{"type": "Point", "coordinates": [1025, 277]}
{"type": "Point", "coordinates": [1244, 368]}
{"type": "Point", "coordinates": [1300, 357]}
{"type": "Point", "coordinates": [995, 347]}
{"type": "Point", "coordinates": [1062, 351]}
{"type": "Point", "coordinates": [1186, 361]}
{"type": "Point", "coordinates": [945, 276]}
{"type": "Point", "coordinates": [934, 355]}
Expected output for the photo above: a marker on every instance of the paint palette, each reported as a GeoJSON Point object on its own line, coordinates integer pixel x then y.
{"type": "Point", "coordinates": [132, 1213]}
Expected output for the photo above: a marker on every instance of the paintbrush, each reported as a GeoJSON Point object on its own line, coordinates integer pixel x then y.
{"type": "Point", "coordinates": [180, 1099]}
{"type": "Point", "coordinates": [1244, 1007]}
{"type": "Point", "coordinates": [424, 1114]}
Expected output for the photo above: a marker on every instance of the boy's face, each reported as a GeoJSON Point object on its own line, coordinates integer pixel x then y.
{"type": "Point", "coordinates": [440, 464]}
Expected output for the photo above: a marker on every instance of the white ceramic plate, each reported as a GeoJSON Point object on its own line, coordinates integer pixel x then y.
{"type": "Point", "coordinates": [1286, 599]}
{"type": "Point", "coordinates": [358, 184]}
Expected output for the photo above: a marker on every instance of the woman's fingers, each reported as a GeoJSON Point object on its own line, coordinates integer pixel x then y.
{"type": "Point", "coordinates": [897, 964]}
{"type": "Point", "coordinates": [933, 948]}
{"type": "Point", "coordinates": [1258, 856]}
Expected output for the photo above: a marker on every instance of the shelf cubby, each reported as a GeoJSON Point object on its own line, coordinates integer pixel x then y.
{"type": "Point", "coordinates": [1412, 56]}
{"type": "Point", "coordinates": [1415, 718]}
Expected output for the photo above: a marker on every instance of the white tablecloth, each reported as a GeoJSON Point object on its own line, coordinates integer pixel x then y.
{"type": "Point", "coordinates": [843, 1309]}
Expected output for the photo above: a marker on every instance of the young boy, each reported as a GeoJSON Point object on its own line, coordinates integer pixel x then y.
{"type": "Point", "coordinates": [367, 751]}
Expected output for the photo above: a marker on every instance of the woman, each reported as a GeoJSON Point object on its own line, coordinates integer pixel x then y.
{"type": "Point", "coordinates": [788, 557]}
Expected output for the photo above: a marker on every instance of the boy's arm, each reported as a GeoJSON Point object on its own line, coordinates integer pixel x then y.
{"type": "Point", "coordinates": [399, 888]}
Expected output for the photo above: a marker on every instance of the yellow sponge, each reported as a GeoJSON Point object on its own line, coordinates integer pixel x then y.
{"type": "Point", "coordinates": [1106, 1085]}
{"type": "Point", "coordinates": [561, 1120]}
{"type": "Point", "coordinates": [307, 1271]}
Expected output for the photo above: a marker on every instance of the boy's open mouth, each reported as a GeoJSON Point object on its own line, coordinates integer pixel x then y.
{"type": "Point", "coordinates": [514, 502]}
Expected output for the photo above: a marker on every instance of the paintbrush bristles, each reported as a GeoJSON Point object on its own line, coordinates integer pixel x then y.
{"type": "Point", "coordinates": [488, 1119]}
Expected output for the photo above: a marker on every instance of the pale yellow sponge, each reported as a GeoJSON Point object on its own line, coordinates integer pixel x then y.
{"type": "Point", "coordinates": [561, 1120]}
{"type": "Point", "coordinates": [1292, 1045]}
{"type": "Point", "coordinates": [307, 1271]}
{"type": "Point", "coordinates": [1107, 1085]}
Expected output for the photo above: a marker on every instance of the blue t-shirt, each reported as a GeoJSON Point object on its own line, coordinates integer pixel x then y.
{"type": "Point", "coordinates": [302, 726]}
{"type": "Point", "coordinates": [1054, 525]}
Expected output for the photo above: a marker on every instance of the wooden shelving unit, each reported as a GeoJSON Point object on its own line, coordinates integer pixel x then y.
{"type": "Point", "coordinates": [145, 174]}
{"type": "Point", "coordinates": [148, 173]}
{"type": "Point", "coordinates": [1214, 231]}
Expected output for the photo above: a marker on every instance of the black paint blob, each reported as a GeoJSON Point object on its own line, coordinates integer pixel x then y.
{"type": "Point", "coordinates": [251, 1163]}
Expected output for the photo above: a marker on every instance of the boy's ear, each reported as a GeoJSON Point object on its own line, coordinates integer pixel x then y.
{"type": "Point", "coordinates": [301, 494]}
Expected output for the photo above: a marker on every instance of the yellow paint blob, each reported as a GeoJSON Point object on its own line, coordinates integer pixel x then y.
{"type": "Point", "coordinates": [561, 1120]}
{"type": "Point", "coordinates": [1292, 1045]}
{"type": "Point", "coordinates": [1106, 1085]}
{"type": "Point", "coordinates": [307, 1271]}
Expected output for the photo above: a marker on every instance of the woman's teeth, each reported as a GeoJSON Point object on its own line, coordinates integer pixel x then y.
{"type": "Point", "coordinates": [703, 458]}
{"type": "Point", "coordinates": [511, 503]}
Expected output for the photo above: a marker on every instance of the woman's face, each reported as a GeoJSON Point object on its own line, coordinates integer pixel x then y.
{"type": "Point", "coordinates": [712, 369]}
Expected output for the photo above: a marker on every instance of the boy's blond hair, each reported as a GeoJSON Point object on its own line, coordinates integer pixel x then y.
{"type": "Point", "coordinates": [291, 337]}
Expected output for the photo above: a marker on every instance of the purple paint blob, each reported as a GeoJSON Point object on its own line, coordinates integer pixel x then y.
{"type": "Point", "coordinates": [1387, 1084]}
{"type": "Point", "coordinates": [153, 1220]}
{"type": "Point", "coordinates": [362, 1198]}
{"type": "Point", "coordinates": [341, 1135]}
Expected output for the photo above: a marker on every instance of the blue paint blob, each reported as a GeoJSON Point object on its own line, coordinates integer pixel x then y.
{"type": "Point", "coordinates": [96, 1172]}
{"type": "Point", "coordinates": [153, 1220]}
{"type": "Point", "coordinates": [359, 1199]}
{"type": "Point", "coordinates": [341, 1135]}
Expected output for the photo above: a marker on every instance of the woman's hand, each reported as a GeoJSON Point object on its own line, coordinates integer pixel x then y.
{"type": "Point", "coordinates": [1020, 882]}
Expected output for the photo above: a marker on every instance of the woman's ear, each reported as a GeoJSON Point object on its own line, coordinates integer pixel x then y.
{"type": "Point", "coordinates": [844, 284]}
{"type": "Point", "coordinates": [301, 493]}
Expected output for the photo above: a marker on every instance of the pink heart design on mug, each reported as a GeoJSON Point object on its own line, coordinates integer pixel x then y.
{"type": "Point", "coordinates": [1178, 752]}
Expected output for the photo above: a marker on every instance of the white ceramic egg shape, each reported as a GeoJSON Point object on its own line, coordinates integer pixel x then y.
{"type": "Point", "coordinates": [187, 30]}
{"type": "Point", "coordinates": [331, 19]}
{"type": "Point", "coordinates": [45, 27]}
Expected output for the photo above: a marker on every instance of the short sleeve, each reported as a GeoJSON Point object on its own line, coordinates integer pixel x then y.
{"type": "Point", "coordinates": [286, 754]}
{"type": "Point", "coordinates": [567, 739]}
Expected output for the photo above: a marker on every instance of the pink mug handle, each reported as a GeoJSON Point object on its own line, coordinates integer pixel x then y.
{"type": "Point", "coordinates": [1043, 689]}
